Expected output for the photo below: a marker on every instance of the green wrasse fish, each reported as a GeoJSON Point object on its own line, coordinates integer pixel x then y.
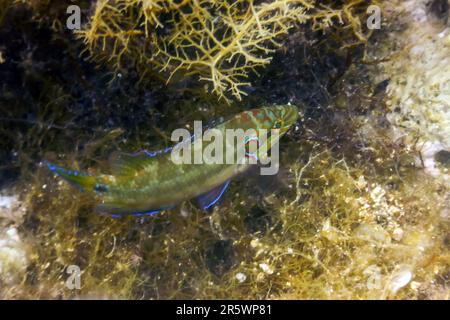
{"type": "Point", "coordinates": [146, 183]}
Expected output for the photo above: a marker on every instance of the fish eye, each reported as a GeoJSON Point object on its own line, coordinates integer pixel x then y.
{"type": "Point", "coordinates": [100, 188]}
{"type": "Point", "coordinates": [278, 124]}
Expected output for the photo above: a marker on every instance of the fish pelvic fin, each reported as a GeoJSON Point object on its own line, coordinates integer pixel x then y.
{"type": "Point", "coordinates": [210, 198]}
{"type": "Point", "coordinates": [79, 179]}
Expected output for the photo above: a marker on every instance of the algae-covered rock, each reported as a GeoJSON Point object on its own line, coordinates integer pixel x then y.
{"type": "Point", "coordinates": [358, 210]}
{"type": "Point", "coordinates": [13, 259]}
{"type": "Point", "coordinates": [419, 79]}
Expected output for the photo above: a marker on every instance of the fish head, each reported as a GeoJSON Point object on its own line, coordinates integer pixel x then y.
{"type": "Point", "coordinates": [286, 116]}
{"type": "Point", "coordinates": [271, 123]}
{"type": "Point", "coordinates": [280, 117]}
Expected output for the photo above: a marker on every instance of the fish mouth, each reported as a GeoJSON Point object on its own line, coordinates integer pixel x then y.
{"type": "Point", "coordinates": [290, 116]}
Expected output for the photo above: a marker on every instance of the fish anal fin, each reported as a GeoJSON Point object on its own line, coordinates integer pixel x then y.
{"type": "Point", "coordinates": [210, 198]}
{"type": "Point", "coordinates": [135, 214]}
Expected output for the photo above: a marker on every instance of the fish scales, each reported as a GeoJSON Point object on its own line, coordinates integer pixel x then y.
{"type": "Point", "coordinates": [149, 183]}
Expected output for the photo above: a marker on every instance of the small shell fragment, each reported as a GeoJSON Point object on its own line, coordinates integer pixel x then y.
{"type": "Point", "coordinates": [397, 234]}
{"type": "Point", "coordinates": [241, 277]}
{"type": "Point", "coordinates": [266, 268]}
{"type": "Point", "coordinates": [399, 280]}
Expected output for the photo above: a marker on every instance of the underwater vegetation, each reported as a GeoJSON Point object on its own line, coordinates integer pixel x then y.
{"type": "Point", "coordinates": [219, 43]}
{"type": "Point", "coordinates": [334, 228]}
{"type": "Point", "coordinates": [354, 212]}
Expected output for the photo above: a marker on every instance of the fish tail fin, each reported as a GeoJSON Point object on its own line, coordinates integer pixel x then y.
{"type": "Point", "coordinates": [82, 180]}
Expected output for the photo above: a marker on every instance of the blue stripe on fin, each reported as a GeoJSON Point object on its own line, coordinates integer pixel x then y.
{"type": "Point", "coordinates": [140, 214]}
{"type": "Point", "coordinates": [137, 214]}
{"type": "Point", "coordinates": [152, 154]}
{"type": "Point", "coordinates": [148, 213]}
{"type": "Point", "coordinates": [207, 200]}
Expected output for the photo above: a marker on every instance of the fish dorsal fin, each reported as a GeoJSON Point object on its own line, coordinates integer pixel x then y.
{"type": "Point", "coordinates": [129, 163]}
{"type": "Point", "coordinates": [210, 198]}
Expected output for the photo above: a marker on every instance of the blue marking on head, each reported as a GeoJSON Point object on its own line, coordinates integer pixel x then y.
{"type": "Point", "coordinates": [55, 169]}
{"type": "Point", "coordinates": [50, 166]}
{"type": "Point", "coordinates": [150, 153]}
{"type": "Point", "coordinates": [251, 154]}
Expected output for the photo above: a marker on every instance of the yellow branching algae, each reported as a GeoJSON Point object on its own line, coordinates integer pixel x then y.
{"type": "Point", "coordinates": [219, 42]}
{"type": "Point", "coordinates": [223, 48]}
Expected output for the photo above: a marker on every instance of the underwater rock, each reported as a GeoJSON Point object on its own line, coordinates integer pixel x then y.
{"type": "Point", "coordinates": [13, 257]}
{"type": "Point", "coordinates": [6, 202]}
{"type": "Point", "coordinates": [372, 233]}
{"type": "Point", "coordinates": [11, 208]}
{"type": "Point", "coordinates": [220, 257]}
{"type": "Point", "coordinates": [443, 157]}
{"type": "Point", "coordinates": [419, 92]}
{"type": "Point", "coordinates": [430, 152]}
{"type": "Point", "coordinates": [257, 220]}
{"type": "Point", "coordinates": [438, 11]}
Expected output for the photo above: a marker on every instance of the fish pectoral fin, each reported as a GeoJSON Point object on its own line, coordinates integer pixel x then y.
{"type": "Point", "coordinates": [208, 199]}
